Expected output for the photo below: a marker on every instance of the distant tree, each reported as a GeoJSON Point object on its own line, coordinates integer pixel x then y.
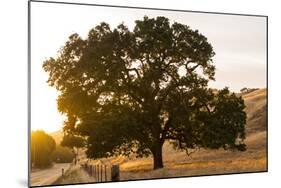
{"type": "Point", "coordinates": [73, 142]}
{"type": "Point", "coordinates": [243, 90]}
{"type": "Point", "coordinates": [248, 90]}
{"type": "Point", "coordinates": [62, 155]}
{"type": "Point", "coordinates": [130, 91]}
{"type": "Point", "coordinates": [42, 146]}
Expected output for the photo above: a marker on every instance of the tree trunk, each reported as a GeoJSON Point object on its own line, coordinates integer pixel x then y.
{"type": "Point", "coordinates": [157, 157]}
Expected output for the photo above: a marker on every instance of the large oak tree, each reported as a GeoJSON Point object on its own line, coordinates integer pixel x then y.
{"type": "Point", "coordinates": [130, 91]}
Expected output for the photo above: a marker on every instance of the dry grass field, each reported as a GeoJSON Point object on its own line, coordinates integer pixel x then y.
{"type": "Point", "coordinates": [206, 162]}
{"type": "Point", "coordinates": [202, 162]}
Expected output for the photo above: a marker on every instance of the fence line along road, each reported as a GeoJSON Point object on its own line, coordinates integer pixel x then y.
{"type": "Point", "coordinates": [101, 172]}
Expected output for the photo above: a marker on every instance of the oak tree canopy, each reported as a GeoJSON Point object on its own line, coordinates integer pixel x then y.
{"type": "Point", "coordinates": [129, 91]}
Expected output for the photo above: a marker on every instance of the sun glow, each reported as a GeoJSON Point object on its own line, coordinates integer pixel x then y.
{"type": "Point", "coordinates": [44, 113]}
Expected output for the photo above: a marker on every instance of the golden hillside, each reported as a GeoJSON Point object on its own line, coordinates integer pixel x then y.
{"type": "Point", "coordinates": [256, 107]}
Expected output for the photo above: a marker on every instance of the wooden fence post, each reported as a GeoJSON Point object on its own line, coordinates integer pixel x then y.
{"type": "Point", "coordinates": [105, 176]}
{"type": "Point", "coordinates": [101, 173]}
{"type": "Point", "coordinates": [115, 173]}
{"type": "Point", "coordinates": [98, 172]}
{"type": "Point", "coordinates": [91, 170]}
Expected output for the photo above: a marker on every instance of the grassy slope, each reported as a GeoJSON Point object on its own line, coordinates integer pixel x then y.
{"type": "Point", "coordinates": [256, 110]}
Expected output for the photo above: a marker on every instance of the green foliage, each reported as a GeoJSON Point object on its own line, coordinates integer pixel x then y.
{"type": "Point", "coordinates": [129, 91]}
{"type": "Point", "coordinates": [72, 141]}
{"type": "Point", "coordinates": [42, 145]}
{"type": "Point", "coordinates": [228, 120]}
{"type": "Point", "coordinates": [62, 155]}
{"type": "Point", "coordinates": [221, 124]}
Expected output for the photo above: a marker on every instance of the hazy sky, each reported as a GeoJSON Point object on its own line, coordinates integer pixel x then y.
{"type": "Point", "coordinates": [239, 43]}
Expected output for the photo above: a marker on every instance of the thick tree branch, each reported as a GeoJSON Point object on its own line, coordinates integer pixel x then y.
{"type": "Point", "coordinates": [166, 94]}
{"type": "Point", "coordinates": [135, 70]}
{"type": "Point", "coordinates": [169, 137]}
{"type": "Point", "coordinates": [142, 66]}
{"type": "Point", "coordinates": [208, 109]}
{"type": "Point", "coordinates": [130, 91]}
{"type": "Point", "coordinates": [191, 69]}
{"type": "Point", "coordinates": [165, 129]}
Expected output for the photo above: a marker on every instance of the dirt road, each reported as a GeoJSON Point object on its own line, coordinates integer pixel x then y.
{"type": "Point", "coordinates": [48, 176]}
